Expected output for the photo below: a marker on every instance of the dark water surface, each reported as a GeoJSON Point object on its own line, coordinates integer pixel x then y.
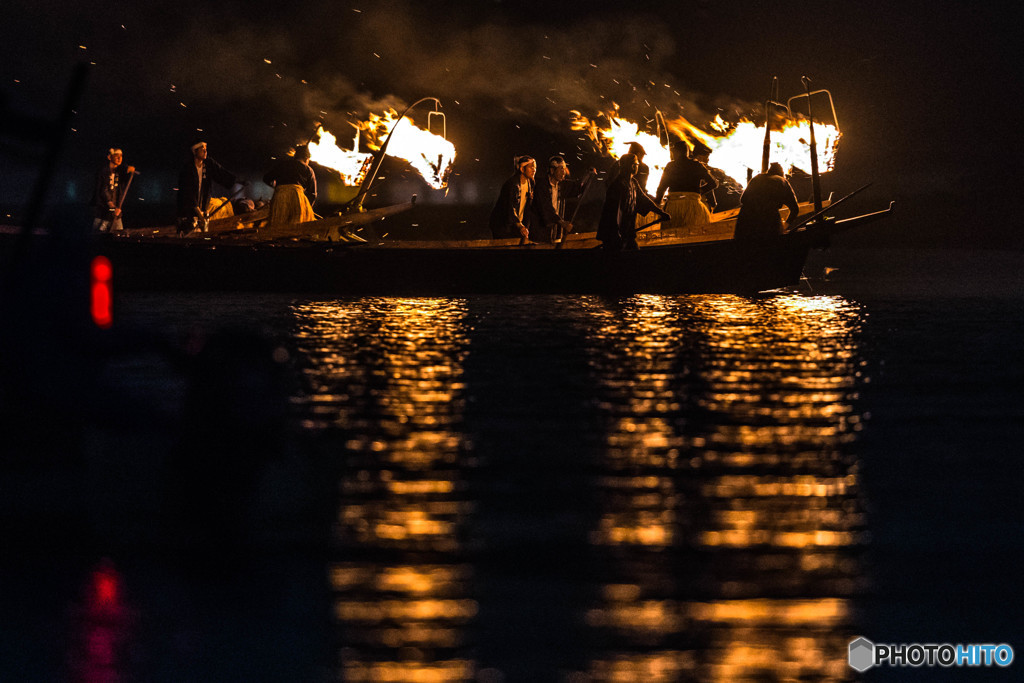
{"type": "Point", "coordinates": [653, 488]}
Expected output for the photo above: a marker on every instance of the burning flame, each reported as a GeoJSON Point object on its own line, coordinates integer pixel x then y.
{"type": "Point", "coordinates": [616, 138]}
{"type": "Point", "coordinates": [735, 148]}
{"type": "Point", "coordinates": [431, 155]}
{"type": "Point", "coordinates": [739, 147]}
{"type": "Point", "coordinates": [351, 165]}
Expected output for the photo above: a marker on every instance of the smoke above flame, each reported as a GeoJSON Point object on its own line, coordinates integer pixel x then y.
{"type": "Point", "coordinates": [431, 155]}
{"type": "Point", "coordinates": [735, 148]}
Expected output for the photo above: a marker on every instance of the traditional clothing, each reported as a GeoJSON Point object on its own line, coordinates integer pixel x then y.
{"type": "Point", "coordinates": [623, 201]}
{"type": "Point", "coordinates": [107, 196]}
{"type": "Point", "coordinates": [759, 218]}
{"type": "Point", "coordinates": [548, 207]}
{"type": "Point", "coordinates": [289, 205]}
{"type": "Point", "coordinates": [194, 190]}
{"type": "Point", "coordinates": [685, 179]}
{"type": "Point", "coordinates": [511, 208]}
{"type": "Point", "coordinates": [294, 191]}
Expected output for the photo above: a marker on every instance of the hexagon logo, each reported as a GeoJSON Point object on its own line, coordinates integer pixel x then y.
{"type": "Point", "coordinates": [862, 654]}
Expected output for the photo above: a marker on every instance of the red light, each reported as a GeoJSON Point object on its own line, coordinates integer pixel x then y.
{"type": "Point", "coordinates": [106, 588]}
{"type": "Point", "coordinates": [101, 292]}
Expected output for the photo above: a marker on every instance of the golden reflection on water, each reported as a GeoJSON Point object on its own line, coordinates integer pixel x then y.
{"type": "Point", "coordinates": [726, 478]}
{"type": "Point", "coordinates": [388, 372]}
{"type": "Point", "coordinates": [728, 521]}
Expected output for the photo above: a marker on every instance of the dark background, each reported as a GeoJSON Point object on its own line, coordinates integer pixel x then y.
{"type": "Point", "coordinates": [928, 96]}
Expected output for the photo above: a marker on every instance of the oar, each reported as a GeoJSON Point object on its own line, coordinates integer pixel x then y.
{"type": "Point", "coordinates": [126, 186]}
{"type": "Point", "coordinates": [590, 181]}
{"type": "Point", "coordinates": [652, 223]}
{"type": "Point", "coordinates": [221, 205]}
{"type": "Point", "coordinates": [826, 209]}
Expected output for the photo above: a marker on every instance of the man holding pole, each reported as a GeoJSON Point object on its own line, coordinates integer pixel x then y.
{"type": "Point", "coordinates": [194, 182]}
{"type": "Point", "coordinates": [112, 182]}
{"type": "Point", "coordinates": [549, 199]}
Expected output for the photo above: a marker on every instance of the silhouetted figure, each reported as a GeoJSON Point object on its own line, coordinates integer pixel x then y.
{"type": "Point", "coordinates": [548, 223]}
{"type": "Point", "coordinates": [759, 218]}
{"type": "Point", "coordinates": [686, 180]}
{"type": "Point", "coordinates": [510, 216]}
{"type": "Point", "coordinates": [623, 201]}
{"type": "Point", "coordinates": [108, 192]}
{"type": "Point", "coordinates": [294, 186]}
{"type": "Point", "coordinates": [194, 182]}
{"type": "Point", "coordinates": [643, 171]}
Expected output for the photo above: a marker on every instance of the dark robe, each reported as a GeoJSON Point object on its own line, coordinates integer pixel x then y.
{"type": "Point", "coordinates": [759, 218]}
{"type": "Point", "coordinates": [504, 221]}
{"type": "Point", "coordinates": [193, 194]}
{"type": "Point", "coordinates": [291, 171]}
{"type": "Point", "coordinates": [544, 220]}
{"type": "Point", "coordinates": [685, 175]}
{"type": "Point", "coordinates": [624, 200]}
{"type": "Point", "coordinates": [109, 187]}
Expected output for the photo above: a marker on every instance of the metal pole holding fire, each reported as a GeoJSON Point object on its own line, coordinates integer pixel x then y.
{"type": "Point", "coordinates": [357, 201]}
{"type": "Point", "coordinates": [768, 104]}
{"type": "Point", "coordinates": [815, 177]}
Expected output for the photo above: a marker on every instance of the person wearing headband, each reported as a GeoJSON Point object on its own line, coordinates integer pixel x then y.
{"type": "Point", "coordinates": [194, 182]}
{"type": "Point", "coordinates": [624, 200]}
{"type": "Point", "coordinates": [510, 216]}
{"type": "Point", "coordinates": [108, 193]}
{"type": "Point", "coordinates": [551, 193]}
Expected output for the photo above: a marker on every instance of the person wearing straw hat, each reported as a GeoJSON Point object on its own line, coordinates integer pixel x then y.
{"type": "Point", "coordinates": [112, 182]}
{"type": "Point", "coordinates": [294, 184]}
{"type": "Point", "coordinates": [194, 181]}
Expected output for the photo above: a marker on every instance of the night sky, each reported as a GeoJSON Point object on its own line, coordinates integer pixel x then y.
{"type": "Point", "coordinates": [928, 96]}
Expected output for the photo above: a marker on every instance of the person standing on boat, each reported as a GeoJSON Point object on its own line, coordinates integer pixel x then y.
{"type": "Point", "coordinates": [294, 184]}
{"type": "Point", "coordinates": [644, 171]}
{"type": "Point", "coordinates": [686, 179]}
{"type": "Point", "coordinates": [194, 182]}
{"type": "Point", "coordinates": [623, 201]}
{"type": "Point", "coordinates": [108, 193]}
{"type": "Point", "coordinates": [510, 216]}
{"type": "Point", "coordinates": [759, 219]}
{"type": "Point", "coordinates": [548, 223]}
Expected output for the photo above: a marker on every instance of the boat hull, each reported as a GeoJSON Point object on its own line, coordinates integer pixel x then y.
{"type": "Point", "coordinates": [326, 269]}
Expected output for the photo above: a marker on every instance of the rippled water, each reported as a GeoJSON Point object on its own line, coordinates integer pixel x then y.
{"type": "Point", "coordinates": [653, 488]}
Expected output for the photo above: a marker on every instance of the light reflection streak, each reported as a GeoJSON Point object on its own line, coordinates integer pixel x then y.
{"type": "Point", "coordinates": [727, 477]}
{"type": "Point", "coordinates": [388, 372]}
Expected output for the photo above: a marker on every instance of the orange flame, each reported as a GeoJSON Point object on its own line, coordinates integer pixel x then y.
{"type": "Point", "coordinates": [734, 148]}
{"type": "Point", "coordinates": [739, 146]}
{"type": "Point", "coordinates": [431, 155]}
{"type": "Point", "coordinates": [616, 137]}
{"type": "Point", "coordinates": [351, 165]}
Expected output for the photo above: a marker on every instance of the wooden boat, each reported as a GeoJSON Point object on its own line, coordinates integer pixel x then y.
{"type": "Point", "coordinates": [668, 262]}
{"type": "Point", "coordinates": [254, 227]}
